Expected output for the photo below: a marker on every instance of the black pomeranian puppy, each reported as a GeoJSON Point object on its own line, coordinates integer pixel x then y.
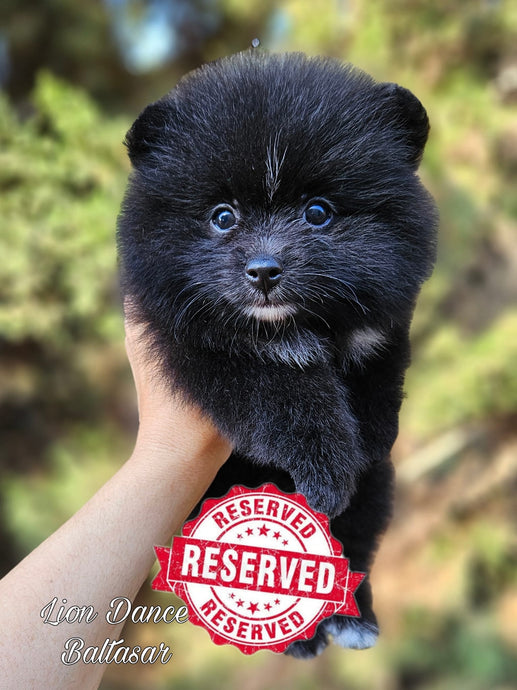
{"type": "Point", "coordinates": [274, 237]}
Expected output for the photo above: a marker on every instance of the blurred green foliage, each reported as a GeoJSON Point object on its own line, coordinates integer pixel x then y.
{"type": "Point", "coordinates": [66, 407]}
{"type": "Point", "coordinates": [62, 174]}
{"type": "Point", "coordinates": [61, 177]}
{"type": "Point", "coordinates": [459, 379]}
{"type": "Point", "coordinates": [451, 652]}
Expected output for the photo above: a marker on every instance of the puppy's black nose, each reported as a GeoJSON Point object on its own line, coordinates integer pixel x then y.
{"type": "Point", "coordinates": [264, 272]}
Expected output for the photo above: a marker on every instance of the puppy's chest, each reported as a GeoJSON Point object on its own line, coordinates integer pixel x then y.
{"type": "Point", "coordinates": [301, 350]}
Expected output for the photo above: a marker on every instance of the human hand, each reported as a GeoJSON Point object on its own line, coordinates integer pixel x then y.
{"type": "Point", "coordinates": [166, 421]}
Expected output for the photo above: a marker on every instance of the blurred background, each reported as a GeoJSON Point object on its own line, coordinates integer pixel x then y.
{"type": "Point", "coordinates": [73, 76]}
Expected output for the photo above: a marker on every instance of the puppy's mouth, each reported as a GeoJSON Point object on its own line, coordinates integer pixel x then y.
{"type": "Point", "coordinates": [270, 312]}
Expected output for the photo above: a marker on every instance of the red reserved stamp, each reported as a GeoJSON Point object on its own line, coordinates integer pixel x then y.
{"type": "Point", "coordinates": [258, 569]}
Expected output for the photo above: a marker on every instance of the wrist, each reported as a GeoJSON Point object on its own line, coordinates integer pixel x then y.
{"type": "Point", "coordinates": [173, 474]}
{"type": "Point", "coordinates": [179, 436]}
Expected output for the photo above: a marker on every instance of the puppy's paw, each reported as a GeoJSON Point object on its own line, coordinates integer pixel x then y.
{"type": "Point", "coordinates": [324, 498]}
{"type": "Point", "coordinates": [307, 649]}
{"type": "Point", "coordinates": [352, 633]}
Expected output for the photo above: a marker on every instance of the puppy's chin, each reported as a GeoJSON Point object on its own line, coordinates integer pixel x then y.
{"type": "Point", "coordinates": [271, 312]}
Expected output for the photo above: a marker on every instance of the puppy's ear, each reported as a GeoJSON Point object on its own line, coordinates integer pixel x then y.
{"type": "Point", "coordinates": [403, 108]}
{"type": "Point", "coordinates": [149, 131]}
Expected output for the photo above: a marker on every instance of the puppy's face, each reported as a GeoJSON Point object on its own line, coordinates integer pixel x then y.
{"type": "Point", "coordinates": [276, 194]}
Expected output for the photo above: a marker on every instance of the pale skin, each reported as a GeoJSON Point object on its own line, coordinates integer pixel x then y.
{"type": "Point", "coordinates": [106, 550]}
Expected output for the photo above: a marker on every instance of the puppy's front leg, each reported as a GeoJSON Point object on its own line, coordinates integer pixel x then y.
{"type": "Point", "coordinates": [326, 468]}
{"type": "Point", "coordinates": [296, 420]}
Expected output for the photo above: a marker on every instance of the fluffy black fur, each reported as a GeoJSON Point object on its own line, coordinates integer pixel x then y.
{"type": "Point", "coordinates": [303, 374]}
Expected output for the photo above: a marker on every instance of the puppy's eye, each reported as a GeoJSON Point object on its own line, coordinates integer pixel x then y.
{"type": "Point", "coordinates": [223, 218]}
{"type": "Point", "coordinates": [317, 213]}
